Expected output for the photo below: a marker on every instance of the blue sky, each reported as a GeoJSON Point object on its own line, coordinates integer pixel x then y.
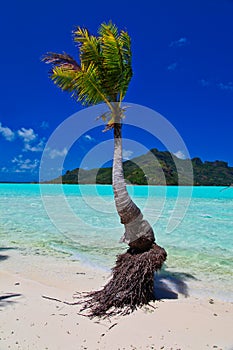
{"type": "Point", "coordinates": [182, 62]}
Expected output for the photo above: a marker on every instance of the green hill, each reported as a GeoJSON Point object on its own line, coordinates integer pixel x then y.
{"type": "Point", "coordinates": [156, 168]}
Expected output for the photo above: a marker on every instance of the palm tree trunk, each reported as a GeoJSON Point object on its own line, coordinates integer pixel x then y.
{"type": "Point", "coordinates": [132, 282]}
{"type": "Point", "coordinates": [138, 234]}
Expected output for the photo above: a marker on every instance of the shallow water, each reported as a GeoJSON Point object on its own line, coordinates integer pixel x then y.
{"type": "Point", "coordinates": [80, 222]}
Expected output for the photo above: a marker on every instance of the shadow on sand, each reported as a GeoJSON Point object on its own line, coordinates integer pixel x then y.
{"type": "Point", "coordinates": [6, 299]}
{"type": "Point", "coordinates": [4, 257]}
{"type": "Point", "coordinates": [168, 285]}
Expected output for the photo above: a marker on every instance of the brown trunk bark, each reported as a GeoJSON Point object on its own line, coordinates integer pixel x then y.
{"type": "Point", "coordinates": [138, 232]}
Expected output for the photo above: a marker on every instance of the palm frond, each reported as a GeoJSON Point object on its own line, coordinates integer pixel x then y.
{"type": "Point", "coordinates": [61, 60]}
{"type": "Point", "coordinates": [116, 53]}
{"type": "Point", "coordinates": [89, 47]}
{"type": "Point", "coordinates": [107, 28]}
{"type": "Point", "coordinates": [89, 87]}
{"type": "Point", "coordinates": [105, 116]}
{"type": "Point", "coordinates": [125, 41]}
{"type": "Point", "coordinates": [63, 78]}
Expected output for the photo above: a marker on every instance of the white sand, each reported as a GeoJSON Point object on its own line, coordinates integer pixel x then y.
{"type": "Point", "coordinates": [28, 321]}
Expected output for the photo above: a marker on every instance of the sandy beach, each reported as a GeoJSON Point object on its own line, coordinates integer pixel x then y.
{"type": "Point", "coordinates": [29, 321]}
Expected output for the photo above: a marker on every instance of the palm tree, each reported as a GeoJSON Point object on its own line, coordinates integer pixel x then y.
{"type": "Point", "coordinates": [103, 75]}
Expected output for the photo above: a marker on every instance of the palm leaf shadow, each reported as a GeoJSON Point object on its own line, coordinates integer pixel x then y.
{"type": "Point", "coordinates": [6, 298]}
{"type": "Point", "coordinates": [3, 257]}
{"type": "Point", "coordinates": [168, 285]}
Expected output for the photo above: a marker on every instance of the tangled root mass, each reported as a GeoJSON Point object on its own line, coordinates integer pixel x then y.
{"type": "Point", "coordinates": [131, 285]}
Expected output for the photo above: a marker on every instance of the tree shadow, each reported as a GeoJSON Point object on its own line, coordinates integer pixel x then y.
{"type": "Point", "coordinates": [4, 257]}
{"type": "Point", "coordinates": [168, 285]}
{"type": "Point", "coordinates": [6, 299]}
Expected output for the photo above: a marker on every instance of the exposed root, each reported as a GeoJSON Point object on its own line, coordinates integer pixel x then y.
{"type": "Point", "coordinates": [131, 285]}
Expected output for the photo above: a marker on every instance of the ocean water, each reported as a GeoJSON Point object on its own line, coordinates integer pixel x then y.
{"type": "Point", "coordinates": [195, 226]}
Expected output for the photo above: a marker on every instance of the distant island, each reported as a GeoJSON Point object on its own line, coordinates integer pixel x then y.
{"type": "Point", "coordinates": [154, 168]}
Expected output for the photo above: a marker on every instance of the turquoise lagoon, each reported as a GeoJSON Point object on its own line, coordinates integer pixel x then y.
{"type": "Point", "coordinates": [79, 222]}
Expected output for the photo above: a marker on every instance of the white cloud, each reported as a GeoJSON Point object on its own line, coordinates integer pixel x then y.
{"type": "Point", "coordinates": [227, 86]}
{"type": "Point", "coordinates": [4, 170]}
{"type": "Point", "coordinates": [172, 66]}
{"type": "Point", "coordinates": [35, 148]}
{"type": "Point", "coordinates": [7, 133]}
{"type": "Point", "coordinates": [27, 135]}
{"type": "Point", "coordinates": [178, 43]}
{"type": "Point", "coordinates": [126, 154]}
{"type": "Point", "coordinates": [23, 165]}
{"type": "Point", "coordinates": [89, 138]}
{"type": "Point", "coordinates": [54, 153]}
{"type": "Point", "coordinates": [180, 155]}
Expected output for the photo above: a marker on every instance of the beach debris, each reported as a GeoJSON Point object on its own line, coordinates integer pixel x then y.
{"type": "Point", "coordinates": [79, 313]}
{"type": "Point", "coordinates": [113, 325]}
{"type": "Point", "coordinates": [211, 301]}
{"type": "Point", "coordinates": [59, 300]}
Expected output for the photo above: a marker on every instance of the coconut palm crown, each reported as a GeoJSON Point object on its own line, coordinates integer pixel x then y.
{"type": "Point", "coordinates": [104, 71]}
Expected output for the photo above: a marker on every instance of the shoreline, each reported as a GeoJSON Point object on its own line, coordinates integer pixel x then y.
{"type": "Point", "coordinates": [30, 322]}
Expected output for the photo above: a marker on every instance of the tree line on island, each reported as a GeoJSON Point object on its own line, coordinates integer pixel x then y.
{"type": "Point", "coordinates": [155, 168]}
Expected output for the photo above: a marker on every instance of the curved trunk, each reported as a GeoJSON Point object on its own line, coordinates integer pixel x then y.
{"type": "Point", "coordinates": [132, 282]}
{"type": "Point", "coordinates": [138, 232]}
